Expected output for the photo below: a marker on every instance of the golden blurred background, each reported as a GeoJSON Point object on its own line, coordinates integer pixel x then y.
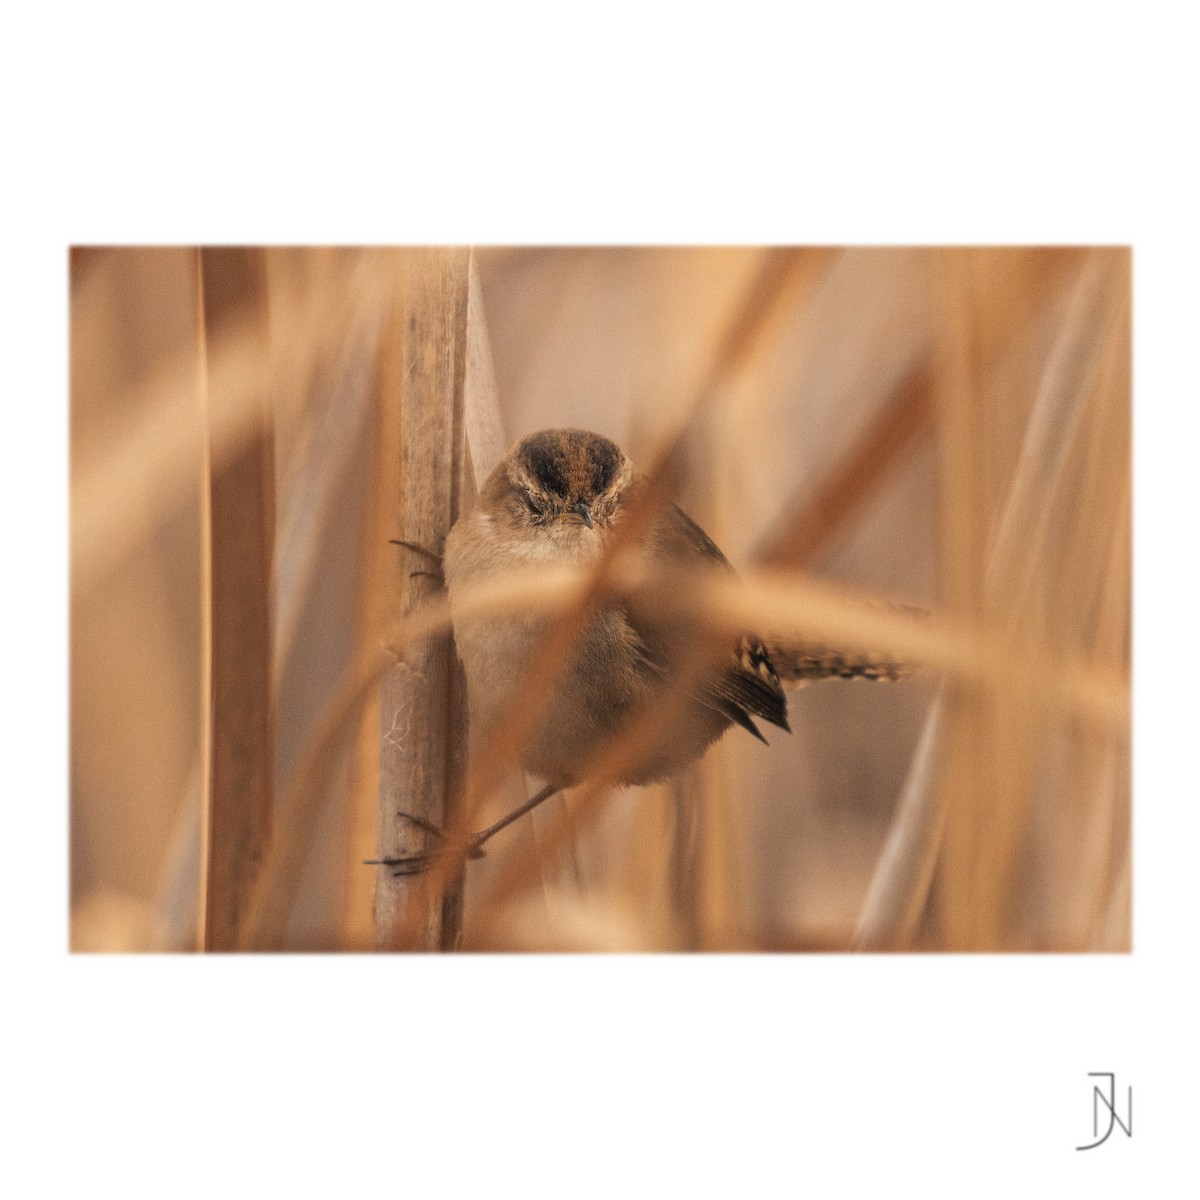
{"type": "Point", "coordinates": [942, 428]}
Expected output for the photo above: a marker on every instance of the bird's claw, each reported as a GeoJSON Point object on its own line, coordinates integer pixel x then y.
{"type": "Point", "coordinates": [421, 823]}
{"type": "Point", "coordinates": [414, 864]}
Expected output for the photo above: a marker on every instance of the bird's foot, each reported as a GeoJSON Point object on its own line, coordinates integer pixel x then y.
{"type": "Point", "coordinates": [414, 864]}
{"type": "Point", "coordinates": [432, 555]}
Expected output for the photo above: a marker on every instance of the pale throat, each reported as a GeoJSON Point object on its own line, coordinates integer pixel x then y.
{"type": "Point", "coordinates": [567, 542]}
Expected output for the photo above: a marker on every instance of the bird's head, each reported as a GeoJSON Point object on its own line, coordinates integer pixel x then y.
{"type": "Point", "coordinates": [559, 489]}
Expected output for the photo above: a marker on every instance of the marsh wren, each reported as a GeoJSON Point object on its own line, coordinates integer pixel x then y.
{"type": "Point", "coordinates": [557, 498]}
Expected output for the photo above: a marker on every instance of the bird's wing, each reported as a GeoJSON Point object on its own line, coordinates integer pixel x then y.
{"type": "Point", "coordinates": [742, 686]}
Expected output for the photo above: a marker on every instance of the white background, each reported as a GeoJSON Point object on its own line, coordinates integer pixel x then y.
{"type": "Point", "coordinates": [821, 1076]}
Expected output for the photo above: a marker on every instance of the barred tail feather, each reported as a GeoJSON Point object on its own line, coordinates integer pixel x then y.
{"type": "Point", "coordinates": [807, 664]}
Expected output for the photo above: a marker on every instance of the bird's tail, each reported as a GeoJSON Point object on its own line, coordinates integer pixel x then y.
{"type": "Point", "coordinates": [807, 662]}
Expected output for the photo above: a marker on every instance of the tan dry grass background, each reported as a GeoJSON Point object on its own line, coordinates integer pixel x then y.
{"type": "Point", "coordinates": [998, 500]}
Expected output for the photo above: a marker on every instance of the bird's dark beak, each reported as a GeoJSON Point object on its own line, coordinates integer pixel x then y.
{"type": "Point", "coordinates": [585, 513]}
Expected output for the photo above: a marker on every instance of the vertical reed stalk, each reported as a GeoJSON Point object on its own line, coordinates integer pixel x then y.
{"type": "Point", "coordinates": [422, 721]}
{"type": "Point", "coordinates": [963, 512]}
{"type": "Point", "coordinates": [238, 713]}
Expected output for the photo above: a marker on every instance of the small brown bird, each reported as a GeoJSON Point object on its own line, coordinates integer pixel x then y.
{"type": "Point", "coordinates": [556, 498]}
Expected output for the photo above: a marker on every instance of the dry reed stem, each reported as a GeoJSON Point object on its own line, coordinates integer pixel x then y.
{"type": "Point", "coordinates": [357, 921]}
{"type": "Point", "coordinates": [963, 532]}
{"type": "Point", "coordinates": [486, 443]}
{"type": "Point", "coordinates": [720, 915]}
{"type": "Point", "coordinates": [177, 894]}
{"type": "Point", "coordinates": [328, 458]}
{"type": "Point", "coordinates": [1093, 592]}
{"type": "Point", "coordinates": [699, 900]}
{"type": "Point", "coordinates": [378, 558]}
{"type": "Point", "coordinates": [899, 887]}
{"type": "Point", "coordinates": [1115, 930]}
{"type": "Point", "coordinates": [239, 725]}
{"type": "Point", "coordinates": [419, 774]}
{"type": "Point", "coordinates": [1086, 338]}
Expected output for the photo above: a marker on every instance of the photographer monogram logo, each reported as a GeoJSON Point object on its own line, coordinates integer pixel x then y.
{"type": "Point", "coordinates": [1104, 1102]}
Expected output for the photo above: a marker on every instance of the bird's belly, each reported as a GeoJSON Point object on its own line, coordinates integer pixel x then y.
{"type": "Point", "coordinates": [580, 708]}
{"type": "Point", "coordinates": [596, 698]}
{"type": "Point", "coordinates": [494, 653]}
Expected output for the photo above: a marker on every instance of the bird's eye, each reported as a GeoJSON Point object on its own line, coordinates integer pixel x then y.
{"type": "Point", "coordinates": [532, 505]}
